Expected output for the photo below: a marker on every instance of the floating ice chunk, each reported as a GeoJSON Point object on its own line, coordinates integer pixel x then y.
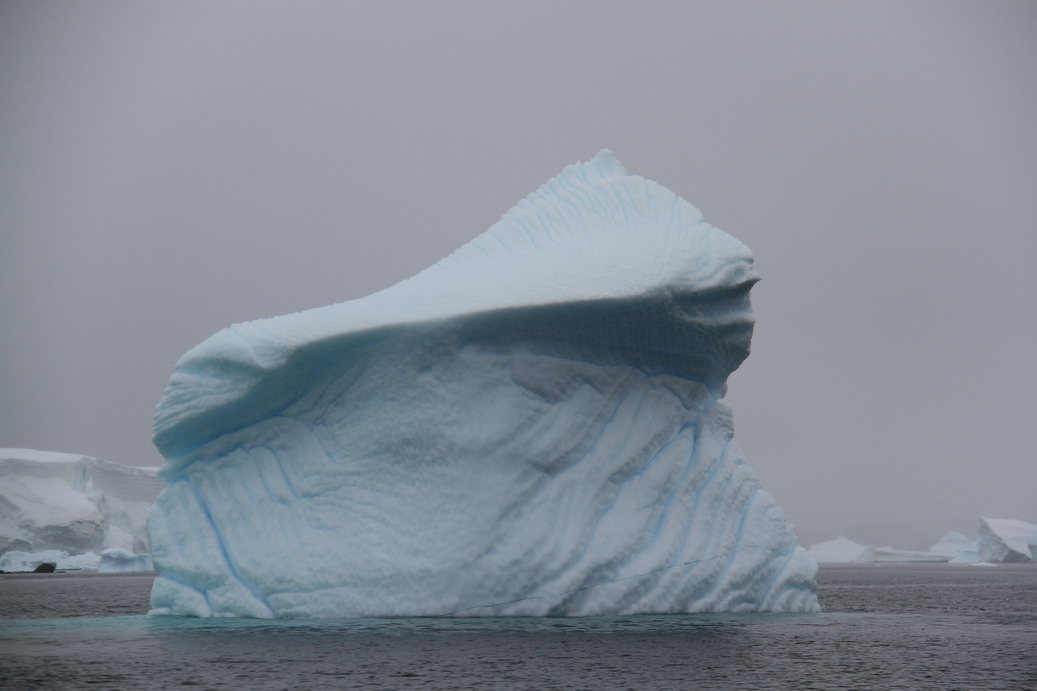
{"type": "Point", "coordinates": [891, 554]}
{"type": "Point", "coordinates": [81, 562]}
{"type": "Point", "coordinates": [966, 556]}
{"type": "Point", "coordinates": [17, 561]}
{"type": "Point", "coordinates": [118, 560]}
{"type": "Point", "coordinates": [531, 426]}
{"type": "Point", "coordinates": [1006, 540]}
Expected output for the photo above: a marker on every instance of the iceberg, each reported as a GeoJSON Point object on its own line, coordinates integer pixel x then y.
{"type": "Point", "coordinates": [1006, 540]}
{"type": "Point", "coordinates": [118, 560]}
{"type": "Point", "coordinates": [532, 426]}
{"type": "Point", "coordinates": [841, 550]}
{"type": "Point", "coordinates": [960, 549]}
{"type": "Point", "coordinates": [73, 504]}
{"type": "Point", "coordinates": [891, 554]}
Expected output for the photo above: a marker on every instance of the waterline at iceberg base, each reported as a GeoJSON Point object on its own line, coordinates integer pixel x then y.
{"type": "Point", "coordinates": [529, 427]}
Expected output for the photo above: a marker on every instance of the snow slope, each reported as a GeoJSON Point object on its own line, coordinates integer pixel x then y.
{"type": "Point", "coordinates": [531, 426]}
{"type": "Point", "coordinates": [77, 504]}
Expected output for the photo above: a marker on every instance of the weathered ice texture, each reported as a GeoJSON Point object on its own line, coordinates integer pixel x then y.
{"type": "Point", "coordinates": [531, 426]}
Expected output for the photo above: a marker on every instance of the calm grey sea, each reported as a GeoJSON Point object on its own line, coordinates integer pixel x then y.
{"type": "Point", "coordinates": [884, 627]}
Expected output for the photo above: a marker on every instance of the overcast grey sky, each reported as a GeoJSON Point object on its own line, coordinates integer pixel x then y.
{"type": "Point", "coordinates": [167, 169]}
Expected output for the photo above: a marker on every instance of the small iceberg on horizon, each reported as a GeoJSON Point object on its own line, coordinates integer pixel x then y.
{"type": "Point", "coordinates": [841, 550]}
{"type": "Point", "coordinates": [960, 549]}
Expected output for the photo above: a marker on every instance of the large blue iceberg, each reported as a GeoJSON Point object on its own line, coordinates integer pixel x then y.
{"type": "Point", "coordinates": [531, 426]}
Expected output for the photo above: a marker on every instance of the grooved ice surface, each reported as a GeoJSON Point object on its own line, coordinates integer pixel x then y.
{"type": "Point", "coordinates": [531, 426]}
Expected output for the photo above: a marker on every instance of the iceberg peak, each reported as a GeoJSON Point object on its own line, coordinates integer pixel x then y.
{"type": "Point", "coordinates": [593, 234]}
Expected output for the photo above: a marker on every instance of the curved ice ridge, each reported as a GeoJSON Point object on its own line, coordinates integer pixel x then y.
{"type": "Point", "coordinates": [529, 427]}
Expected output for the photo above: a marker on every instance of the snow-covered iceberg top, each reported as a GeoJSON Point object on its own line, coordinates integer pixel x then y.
{"type": "Point", "coordinates": [531, 426]}
{"type": "Point", "coordinates": [72, 503]}
{"type": "Point", "coordinates": [622, 254]}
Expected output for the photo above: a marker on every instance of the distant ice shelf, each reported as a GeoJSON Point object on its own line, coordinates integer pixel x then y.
{"type": "Point", "coordinates": [842, 550]}
{"type": "Point", "coordinates": [532, 426]}
{"type": "Point", "coordinates": [54, 504]}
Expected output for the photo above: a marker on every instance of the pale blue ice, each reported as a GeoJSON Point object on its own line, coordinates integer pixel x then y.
{"type": "Point", "coordinates": [531, 426]}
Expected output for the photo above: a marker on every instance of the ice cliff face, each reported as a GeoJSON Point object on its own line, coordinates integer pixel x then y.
{"type": "Point", "coordinates": [58, 501]}
{"type": "Point", "coordinates": [1007, 540]}
{"type": "Point", "coordinates": [531, 426]}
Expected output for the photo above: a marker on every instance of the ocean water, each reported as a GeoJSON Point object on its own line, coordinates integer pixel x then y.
{"type": "Point", "coordinates": [884, 627]}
